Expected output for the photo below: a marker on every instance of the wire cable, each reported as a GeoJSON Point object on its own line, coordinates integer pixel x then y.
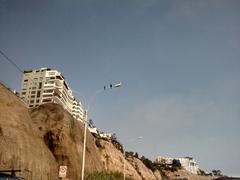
{"type": "Point", "coordinates": [14, 64]}
{"type": "Point", "coordinates": [10, 61]}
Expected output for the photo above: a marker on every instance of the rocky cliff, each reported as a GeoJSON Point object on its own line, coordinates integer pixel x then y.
{"type": "Point", "coordinates": [182, 174]}
{"type": "Point", "coordinates": [113, 160]}
{"type": "Point", "coordinates": [37, 141]}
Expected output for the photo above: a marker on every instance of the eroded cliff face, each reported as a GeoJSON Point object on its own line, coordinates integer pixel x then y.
{"type": "Point", "coordinates": [142, 170]}
{"type": "Point", "coordinates": [63, 136]}
{"type": "Point", "coordinates": [183, 174]}
{"type": "Point", "coordinates": [20, 148]}
{"type": "Point", "coordinates": [113, 160]}
{"type": "Point", "coordinates": [134, 168]}
{"type": "Point", "coordinates": [37, 141]}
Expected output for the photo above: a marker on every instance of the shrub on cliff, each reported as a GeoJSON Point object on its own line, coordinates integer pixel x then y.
{"type": "Point", "coordinates": [105, 175]}
{"type": "Point", "coordinates": [149, 164]}
{"type": "Point", "coordinates": [116, 143]}
{"type": "Point", "coordinates": [176, 164]}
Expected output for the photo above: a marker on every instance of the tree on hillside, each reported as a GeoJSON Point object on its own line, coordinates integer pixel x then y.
{"type": "Point", "coordinates": [129, 153]}
{"type": "Point", "coordinates": [91, 124]}
{"type": "Point", "coordinates": [217, 172]}
{"type": "Point", "coordinates": [148, 163]}
{"type": "Point", "coordinates": [114, 137]}
{"type": "Point", "coordinates": [116, 143]}
{"type": "Point", "coordinates": [176, 163]}
{"type": "Point", "coordinates": [201, 172]}
{"type": "Point", "coordinates": [136, 155]}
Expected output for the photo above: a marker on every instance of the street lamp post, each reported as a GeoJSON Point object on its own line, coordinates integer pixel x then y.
{"type": "Point", "coordinates": [124, 155]}
{"type": "Point", "coordinates": [84, 142]}
{"type": "Point", "coordinates": [86, 122]}
{"type": "Point", "coordinates": [124, 168]}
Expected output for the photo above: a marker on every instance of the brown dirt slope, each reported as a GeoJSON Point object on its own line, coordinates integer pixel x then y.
{"type": "Point", "coordinates": [113, 160]}
{"type": "Point", "coordinates": [40, 140]}
{"type": "Point", "coordinates": [143, 171]}
{"type": "Point", "coordinates": [183, 174]}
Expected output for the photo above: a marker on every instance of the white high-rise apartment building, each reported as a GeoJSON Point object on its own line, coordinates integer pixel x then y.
{"type": "Point", "coordinates": [46, 85]}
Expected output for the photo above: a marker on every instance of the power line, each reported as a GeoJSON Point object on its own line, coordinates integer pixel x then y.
{"type": "Point", "coordinates": [10, 61]}
{"type": "Point", "coordinates": [14, 64]}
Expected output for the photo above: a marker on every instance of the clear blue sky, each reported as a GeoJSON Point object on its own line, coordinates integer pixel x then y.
{"type": "Point", "coordinates": [179, 61]}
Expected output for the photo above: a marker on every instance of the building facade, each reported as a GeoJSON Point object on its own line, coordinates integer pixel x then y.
{"type": "Point", "coordinates": [45, 85]}
{"type": "Point", "coordinates": [106, 135]}
{"type": "Point", "coordinates": [164, 160]}
{"type": "Point", "coordinates": [188, 163]}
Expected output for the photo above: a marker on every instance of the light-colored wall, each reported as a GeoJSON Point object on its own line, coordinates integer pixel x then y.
{"type": "Point", "coordinates": [105, 135]}
{"type": "Point", "coordinates": [45, 85]}
{"type": "Point", "coordinates": [187, 163]}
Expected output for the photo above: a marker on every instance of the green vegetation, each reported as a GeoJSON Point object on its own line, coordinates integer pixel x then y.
{"type": "Point", "coordinates": [176, 164]}
{"type": "Point", "coordinates": [113, 140]}
{"type": "Point", "coordinates": [203, 173]}
{"type": "Point", "coordinates": [105, 175]}
{"type": "Point", "coordinates": [217, 172]}
{"type": "Point", "coordinates": [116, 143]}
{"type": "Point", "coordinates": [153, 166]}
{"type": "Point", "coordinates": [131, 154]}
{"type": "Point", "coordinates": [149, 164]}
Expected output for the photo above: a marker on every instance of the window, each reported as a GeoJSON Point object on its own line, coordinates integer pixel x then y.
{"type": "Point", "coordinates": [56, 94]}
{"type": "Point", "coordinates": [59, 77]}
{"type": "Point", "coordinates": [40, 85]}
{"type": "Point", "coordinates": [51, 73]}
{"type": "Point", "coordinates": [25, 80]}
{"type": "Point", "coordinates": [28, 71]}
{"type": "Point", "coordinates": [33, 92]}
{"type": "Point", "coordinates": [38, 93]}
{"type": "Point", "coordinates": [50, 82]}
{"type": "Point", "coordinates": [23, 93]}
{"type": "Point", "coordinates": [32, 101]}
{"type": "Point", "coordinates": [37, 101]}
{"type": "Point", "coordinates": [46, 100]}
{"type": "Point", "coordinates": [48, 91]}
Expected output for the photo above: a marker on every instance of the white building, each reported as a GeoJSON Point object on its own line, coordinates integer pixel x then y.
{"type": "Point", "coordinates": [93, 130]}
{"type": "Point", "coordinates": [188, 163]}
{"type": "Point", "coordinates": [46, 85]}
{"type": "Point", "coordinates": [164, 160]}
{"type": "Point", "coordinates": [106, 135]}
{"type": "Point", "coordinates": [77, 110]}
